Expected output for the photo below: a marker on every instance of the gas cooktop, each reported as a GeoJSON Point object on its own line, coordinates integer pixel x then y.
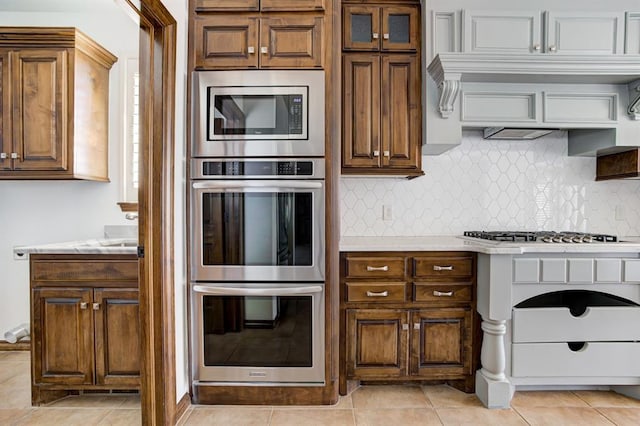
{"type": "Point", "coordinates": [542, 236]}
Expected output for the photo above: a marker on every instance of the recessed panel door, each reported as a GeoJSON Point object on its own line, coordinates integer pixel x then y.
{"type": "Point", "coordinates": [226, 42]}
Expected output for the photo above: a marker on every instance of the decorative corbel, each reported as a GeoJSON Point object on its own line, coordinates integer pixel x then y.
{"type": "Point", "coordinates": [634, 100]}
{"type": "Point", "coordinates": [449, 90]}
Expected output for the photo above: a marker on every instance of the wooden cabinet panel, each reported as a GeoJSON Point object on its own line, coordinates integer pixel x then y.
{"type": "Point", "coordinates": [291, 42]}
{"type": "Point", "coordinates": [226, 5]}
{"type": "Point", "coordinates": [377, 342]}
{"type": "Point", "coordinates": [291, 5]}
{"type": "Point", "coordinates": [375, 266]}
{"type": "Point", "coordinates": [50, 269]}
{"type": "Point", "coordinates": [226, 42]}
{"type": "Point", "coordinates": [442, 292]}
{"type": "Point", "coordinates": [117, 333]}
{"type": "Point", "coordinates": [361, 111]}
{"type": "Point", "coordinates": [438, 267]}
{"type": "Point", "coordinates": [400, 28]}
{"type": "Point", "coordinates": [5, 105]}
{"type": "Point", "coordinates": [40, 96]}
{"type": "Point", "coordinates": [376, 292]}
{"type": "Point", "coordinates": [360, 27]}
{"type": "Point", "coordinates": [63, 336]}
{"type": "Point", "coordinates": [400, 121]}
{"type": "Point", "coordinates": [441, 342]}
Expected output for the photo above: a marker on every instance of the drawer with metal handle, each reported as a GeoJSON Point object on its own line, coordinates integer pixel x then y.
{"type": "Point", "coordinates": [378, 292]}
{"type": "Point", "coordinates": [454, 267]}
{"type": "Point", "coordinates": [436, 292]}
{"type": "Point", "coordinates": [368, 267]}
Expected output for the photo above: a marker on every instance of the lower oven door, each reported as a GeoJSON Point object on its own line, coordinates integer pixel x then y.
{"type": "Point", "coordinates": [258, 333]}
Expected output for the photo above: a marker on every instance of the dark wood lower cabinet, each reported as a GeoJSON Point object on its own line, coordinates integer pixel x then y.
{"type": "Point", "coordinates": [85, 324]}
{"type": "Point", "coordinates": [408, 317]}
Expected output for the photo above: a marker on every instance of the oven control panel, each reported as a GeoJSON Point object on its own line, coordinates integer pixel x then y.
{"type": "Point", "coordinates": [260, 168]}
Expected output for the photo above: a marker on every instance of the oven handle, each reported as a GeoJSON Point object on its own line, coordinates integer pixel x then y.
{"type": "Point", "coordinates": [257, 184]}
{"type": "Point", "coordinates": [235, 291]}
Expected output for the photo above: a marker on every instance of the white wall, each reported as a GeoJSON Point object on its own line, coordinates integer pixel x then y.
{"type": "Point", "coordinates": [35, 212]}
{"type": "Point", "coordinates": [178, 9]}
{"type": "Point", "coordinates": [494, 185]}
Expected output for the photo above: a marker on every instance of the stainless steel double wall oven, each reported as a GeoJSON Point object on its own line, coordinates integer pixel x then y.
{"type": "Point", "coordinates": [257, 228]}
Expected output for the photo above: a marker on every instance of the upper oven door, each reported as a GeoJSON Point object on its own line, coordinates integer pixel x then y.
{"type": "Point", "coordinates": [257, 230]}
{"type": "Point", "coordinates": [258, 113]}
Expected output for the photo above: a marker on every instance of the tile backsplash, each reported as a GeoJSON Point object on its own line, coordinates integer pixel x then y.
{"type": "Point", "coordinates": [493, 185]}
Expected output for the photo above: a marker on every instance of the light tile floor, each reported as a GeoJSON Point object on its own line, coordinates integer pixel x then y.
{"type": "Point", "coordinates": [368, 405]}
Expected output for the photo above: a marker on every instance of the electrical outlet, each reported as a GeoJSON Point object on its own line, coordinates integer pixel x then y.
{"type": "Point", "coordinates": [387, 212]}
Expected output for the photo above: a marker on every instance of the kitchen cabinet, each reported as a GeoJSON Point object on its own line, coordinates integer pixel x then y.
{"type": "Point", "coordinates": [408, 316]}
{"type": "Point", "coordinates": [85, 324]}
{"type": "Point", "coordinates": [54, 105]}
{"type": "Point", "coordinates": [254, 5]}
{"type": "Point", "coordinates": [273, 41]}
{"type": "Point", "coordinates": [380, 27]}
{"type": "Point", "coordinates": [553, 32]}
{"type": "Point", "coordinates": [381, 114]}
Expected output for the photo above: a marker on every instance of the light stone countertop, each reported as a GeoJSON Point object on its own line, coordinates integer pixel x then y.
{"type": "Point", "coordinates": [91, 246]}
{"type": "Point", "coordinates": [459, 243]}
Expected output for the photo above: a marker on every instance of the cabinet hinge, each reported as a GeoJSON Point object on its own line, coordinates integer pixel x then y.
{"type": "Point", "coordinates": [140, 252]}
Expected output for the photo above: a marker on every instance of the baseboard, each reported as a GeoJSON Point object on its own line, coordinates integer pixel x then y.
{"type": "Point", "coordinates": [182, 406]}
{"type": "Point", "coordinates": [18, 346]}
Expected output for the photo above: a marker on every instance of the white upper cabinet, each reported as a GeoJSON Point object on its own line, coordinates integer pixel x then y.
{"type": "Point", "coordinates": [567, 33]}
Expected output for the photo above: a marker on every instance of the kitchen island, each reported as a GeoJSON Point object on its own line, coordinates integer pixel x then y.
{"type": "Point", "coordinates": [532, 339]}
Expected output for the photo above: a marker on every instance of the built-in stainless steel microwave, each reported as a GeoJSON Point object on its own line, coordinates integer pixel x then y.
{"type": "Point", "coordinates": [258, 113]}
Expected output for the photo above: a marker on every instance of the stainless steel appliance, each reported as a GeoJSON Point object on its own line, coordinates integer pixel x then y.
{"type": "Point", "coordinates": [542, 236]}
{"type": "Point", "coordinates": [257, 220]}
{"type": "Point", "coordinates": [258, 113]}
{"type": "Point", "coordinates": [258, 333]}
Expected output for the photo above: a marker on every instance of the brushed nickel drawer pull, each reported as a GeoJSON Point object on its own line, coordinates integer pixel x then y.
{"type": "Point", "coordinates": [96, 306]}
{"type": "Point", "coordinates": [381, 294]}
{"type": "Point", "coordinates": [384, 268]}
{"type": "Point", "coordinates": [416, 326]}
{"type": "Point", "coordinates": [442, 293]}
{"type": "Point", "coordinates": [443, 268]}
{"type": "Point", "coordinates": [405, 326]}
{"type": "Point", "coordinates": [83, 305]}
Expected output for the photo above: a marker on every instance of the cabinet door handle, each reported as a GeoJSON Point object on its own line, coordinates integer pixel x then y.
{"type": "Point", "coordinates": [386, 153]}
{"type": "Point", "coordinates": [552, 48]}
{"type": "Point", "coordinates": [14, 155]}
{"type": "Point", "coordinates": [376, 153]}
{"type": "Point", "coordinates": [377, 268]}
{"type": "Point", "coordinates": [83, 305]}
{"type": "Point", "coordinates": [536, 47]}
{"type": "Point", "coordinates": [416, 326]}
{"type": "Point", "coordinates": [385, 36]}
{"type": "Point", "coordinates": [405, 327]}
{"type": "Point", "coordinates": [381, 294]}
{"type": "Point", "coordinates": [375, 36]}
{"type": "Point", "coordinates": [442, 293]}
{"type": "Point", "coordinates": [264, 50]}
{"type": "Point", "coordinates": [443, 268]}
{"type": "Point", "coordinates": [96, 306]}
{"type": "Point", "coordinates": [3, 155]}
{"type": "Point", "coordinates": [251, 50]}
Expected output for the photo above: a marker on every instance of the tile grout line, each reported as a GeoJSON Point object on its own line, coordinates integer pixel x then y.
{"type": "Point", "coordinates": [604, 415]}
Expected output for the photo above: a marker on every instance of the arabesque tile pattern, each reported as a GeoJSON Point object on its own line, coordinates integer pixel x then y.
{"type": "Point", "coordinates": [493, 185]}
{"type": "Point", "coordinates": [367, 406]}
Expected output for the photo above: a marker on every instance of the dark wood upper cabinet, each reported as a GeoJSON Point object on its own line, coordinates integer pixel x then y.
{"type": "Point", "coordinates": [255, 5]}
{"type": "Point", "coordinates": [226, 42]}
{"type": "Point", "coordinates": [292, 5]}
{"type": "Point", "coordinates": [54, 118]}
{"type": "Point", "coordinates": [380, 28]}
{"type": "Point", "coordinates": [225, 5]}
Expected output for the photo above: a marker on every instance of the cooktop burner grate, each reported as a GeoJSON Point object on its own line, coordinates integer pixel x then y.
{"type": "Point", "coordinates": [542, 236]}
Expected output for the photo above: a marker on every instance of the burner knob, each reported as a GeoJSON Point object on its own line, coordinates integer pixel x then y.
{"type": "Point", "coordinates": [578, 239]}
{"type": "Point", "coordinates": [556, 239]}
{"type": "Point", "coordinates": [567, 239]}
{"type": "Point", "coordinates": [587, 239]}
{"type": "Point", "coordinates": [547, 240]}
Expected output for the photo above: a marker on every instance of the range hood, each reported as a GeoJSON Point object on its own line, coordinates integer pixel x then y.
{"type": "Point", "coordinates": [514, 133]}
{"type": "Point", "coordinates": [449, 70]}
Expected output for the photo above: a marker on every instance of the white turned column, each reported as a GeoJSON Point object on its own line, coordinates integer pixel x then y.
{"type": "Point", "coordinates": [492, 386]}
{"type": "Point", "coordinates": [492, 356]}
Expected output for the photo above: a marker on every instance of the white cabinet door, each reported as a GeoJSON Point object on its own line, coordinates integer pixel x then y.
{"type": "Point", "coordinates": [575, 33]}
{"type": "Point", "coordinates": [501, 31]}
